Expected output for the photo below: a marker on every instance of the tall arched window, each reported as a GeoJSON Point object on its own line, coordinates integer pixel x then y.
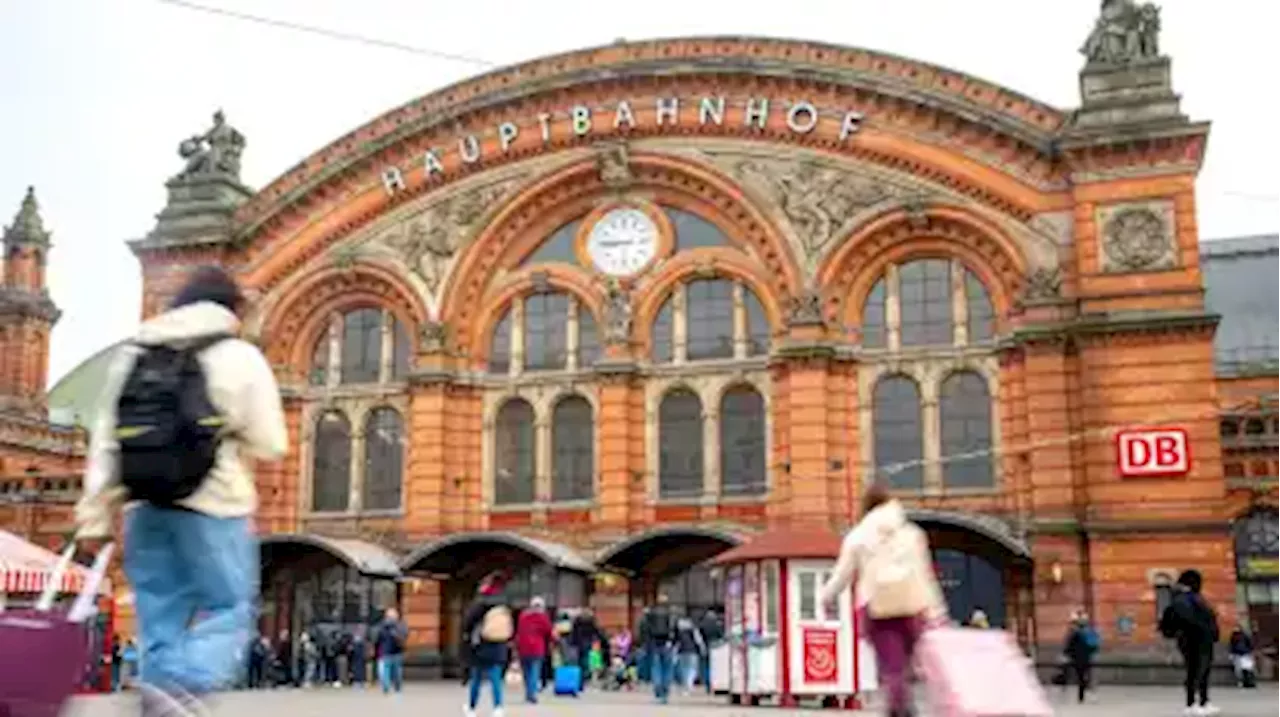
{"type": "Point", "coordinates": [939, 302]}
{"type": "Point", "coordinates": [515, 454]}
{"type": "Point", "coordinates": [370, 345]}
{"type": "Point", "coordinates": [680, 445]}
{"type": "Point", "coordinates": [572, 449]}
{"type": "Point", "coordinates": [742, 442]}
{"type": "Point", "coordinates": [709, 323]}
{"type": "Point", "coordinates": [898, 430]}
{"type": "Point", "coordinates": [717, 319]}
{"type": "Point", "coordinates": [383, 459]}
{"type": "Point", "coordinates": [546, 337]}
{"type": "Point", "coordinates": [331, 463]}
{"type": "Point", "coordinates": [964, 410]}
{"type": "Point", "coordinates": [362, 346]}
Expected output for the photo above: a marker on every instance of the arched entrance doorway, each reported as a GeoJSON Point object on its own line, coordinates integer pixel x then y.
{"type": "Point", "coordinates": [457, 563]}
{"type": "Point", "coordinates": [671, 560]}
{"type": "Point", "coordinates": [981, 566]}
{"type": "Point", "coordinates": [315, 582]}
{"type": "Point", "coordinates": [1257, 584]}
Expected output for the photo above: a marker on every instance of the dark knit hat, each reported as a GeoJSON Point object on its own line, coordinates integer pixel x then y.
{"type": "Point", "coordinates": [210, 283]}
{"type": "Point", "coordinates": [1191, 580]}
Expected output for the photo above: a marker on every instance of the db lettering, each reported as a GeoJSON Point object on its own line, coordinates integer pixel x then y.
{"type": "Point", "coordinates": [1149, 453]}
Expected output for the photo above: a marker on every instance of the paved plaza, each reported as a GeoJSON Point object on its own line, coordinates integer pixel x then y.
{"type": "Point", "coordinates": [445, 700]}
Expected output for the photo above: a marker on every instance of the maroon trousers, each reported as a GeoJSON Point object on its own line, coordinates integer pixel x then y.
{"type": "Point", "coordinates": [894, 640]}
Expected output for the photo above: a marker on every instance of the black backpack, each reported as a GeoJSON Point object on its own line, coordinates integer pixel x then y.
{"type": "Point", "coordinates": [167, 429]}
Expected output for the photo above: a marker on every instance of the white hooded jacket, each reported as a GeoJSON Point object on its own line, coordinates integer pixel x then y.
{"type": "Point", "coordinates": [241, 387]}
{"type": "Point", "coordinates": [887, 521]}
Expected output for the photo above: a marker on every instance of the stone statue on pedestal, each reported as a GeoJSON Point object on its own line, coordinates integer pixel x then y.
{"type": "Point", "coordinates": [1125, 32]}
{"type": "Point", "coordinates": [216, 152]}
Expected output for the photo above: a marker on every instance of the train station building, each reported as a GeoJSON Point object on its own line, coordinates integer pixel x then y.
{"type": "Point", "coordinates": [600, 316]}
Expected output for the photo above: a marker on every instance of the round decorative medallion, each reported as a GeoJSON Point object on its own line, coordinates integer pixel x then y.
{"type": "Point", "coordinates": [622, 239]}
{"type": "Point", "coordinates": [1136, 239]}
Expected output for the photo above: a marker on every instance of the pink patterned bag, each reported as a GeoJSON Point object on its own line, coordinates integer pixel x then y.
{"type": "Point", "coordinates": [978, 673]}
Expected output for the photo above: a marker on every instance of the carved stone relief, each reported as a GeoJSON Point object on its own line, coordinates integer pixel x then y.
{"type": "Point", "coordinates": [617, 314]}
{"type": "Point", "coordinates": [1043, 284]}
{"type": "Point", "coordinates": [1137, 237]}
{"type": "Point", "coordinates": [613, 163]}
{"type": "Point", "coordinates": [821, 200]}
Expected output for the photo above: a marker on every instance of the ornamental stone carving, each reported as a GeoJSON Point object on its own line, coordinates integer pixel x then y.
{"type": "Point", "coordinates": [214, 153]}
{"type": "Point", "coordinates": [820, 200]}
{"type": "Point", "coordinates": [1043, 284]}
{"type": "Point", "coordinates": [617, 314]}
{"type": "Point", "coordinates": [433, 337]}
{"type": "Point", "coordinates": [1137, 237]}
{"type": "Point", "coordinates": [805, 309]}
{"type": "Point", "coordinates": [1125, 32]}
{"type": "Point", "coordinates": [429, 241]}
{"type": "Point", "coordinates": [613, 163]}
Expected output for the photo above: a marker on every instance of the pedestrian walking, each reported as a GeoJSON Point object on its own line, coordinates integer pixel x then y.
{"type": "Point", "coordinates": [712, 629]}
{"type": "Point", "coordinates": [585, 635]}
{"type": "Point", "coordinates": [690, 648]}
{"type": "Point", "coordinates": [1190, 621]}
{"type": "Point", "coordinates": [657, 635]}
{"type": "Point", "coordinates": [534, 635]}
{"type": "Point", "coordinates": [1082, 643]}
{"type": "Point", "coordinates": [389, 647]}
{"type": "Point", "coordinates": [487, 629]}
{"type": "Point", "coordinates": [186, 404]}
{"type": "Point", "coordinates": [896, 586]}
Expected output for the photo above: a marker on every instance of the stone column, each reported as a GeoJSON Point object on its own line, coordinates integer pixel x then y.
{"type": "Point", "coordinates": [517, 339]}
{"type": "Point", "coordinates": [572, 335]}
{"type": "Point", "coordinates": [931, 427]}
{"type": "Point", "coordinates": [711, 477]}
{"type": "Point", "coordinates": [739, 322]}
{"type": "Point", "coordinates": [355, 496]}
{"type": "Point", "coordinates": [959, 306]}
{"type": "Point", "coordinates": [333, 372]}
{"type": "Point", "coordinates": [386, 348]}
{"type": "Point", "coordinates": [679, 323]}
{"type": "Point", "coordinates": [892, 309]}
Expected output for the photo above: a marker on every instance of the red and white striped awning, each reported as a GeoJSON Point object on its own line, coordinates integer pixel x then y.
{"type": "Point", "coordinates": [26, 568]}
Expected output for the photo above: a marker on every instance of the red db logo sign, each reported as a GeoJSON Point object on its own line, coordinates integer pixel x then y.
{"type": "Point", "coordinates": [1153, 452]}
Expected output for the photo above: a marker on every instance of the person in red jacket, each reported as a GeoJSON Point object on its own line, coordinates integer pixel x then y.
{"type": "Point", "coordinates": [533, 635]}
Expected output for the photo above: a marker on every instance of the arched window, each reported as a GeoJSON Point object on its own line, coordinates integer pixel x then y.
{"type": "Point", "coordinates": [364, 339]}
{"type": "Point", "coordinates": [331, 463]}
{"type": "Point", "coordinates": [935, 300]}
{"type": "Point", "coordinates": [742, 442]}
{"type": "Point", "coordinates": [572, 449]}
{"type": "Point", "coordinates": [964, 410]}
{"type": "Point", "coordinates": [515, 454]}
{"type": "Point", "coordinates": [898, 431]}
{"type": "Point", "coordinates": [546, 338]}
{"type": "Point", "coordinates": [709, 308]}
{"type": "Point", "coordinates": [721, 319]}
{"type": "Point", "coordinates": [680, 445]}
{"type": "Point", "coordinates": [362, 346]}
{"type": "Point", "coordinates": [383, 459]}
{"type": "Point", "coordinates": [500, 347]}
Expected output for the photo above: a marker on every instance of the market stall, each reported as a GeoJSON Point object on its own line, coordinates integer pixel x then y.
{"type": "Point", "coordinates": [782, 644]}
{"type": "Point", "coordinates": [25, 570]}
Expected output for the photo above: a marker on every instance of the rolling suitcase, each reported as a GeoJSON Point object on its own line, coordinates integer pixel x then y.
{"type": "Point", "coordinates": [568, 680]}
{"type": "Point", "coordinates": [43, 652]}
{"type": "Point", "coordinates": [978, 673]}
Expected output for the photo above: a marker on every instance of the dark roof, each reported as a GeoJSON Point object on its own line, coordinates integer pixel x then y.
{"type": "Point", "coordinates": [1242, 285]}
{"type": "Point", "coordinates": [805, 542]}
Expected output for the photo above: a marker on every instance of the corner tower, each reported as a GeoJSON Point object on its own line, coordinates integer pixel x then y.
{"type": "Point", "coordinates": [27, 314]}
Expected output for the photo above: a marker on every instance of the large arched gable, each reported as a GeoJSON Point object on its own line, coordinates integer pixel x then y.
{"type": "Point", "coordinates": [981, 140]}
{"type": "Point", "coordinates": [530, 217]}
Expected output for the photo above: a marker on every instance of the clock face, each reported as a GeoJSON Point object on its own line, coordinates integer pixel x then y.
{"type": "Point", "coordinates": [623, 241]}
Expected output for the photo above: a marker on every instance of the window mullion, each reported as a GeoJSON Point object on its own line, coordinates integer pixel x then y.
{"type": "Point", "coordinates": [892, 309]}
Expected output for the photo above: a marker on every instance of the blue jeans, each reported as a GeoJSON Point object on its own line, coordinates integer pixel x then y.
{"type": "Point", "coordinates": [531, 667]}
{"type": "Point", "coordinates": [688, 669]}
{"type": "Point", "coordinates": [195, 578]}
{"type": "Point", "coordinates": [391, 672]}
{"type": "Point", "coordinates": [661, 666]}
{"type": "Point", "coordinates": [494, 674]}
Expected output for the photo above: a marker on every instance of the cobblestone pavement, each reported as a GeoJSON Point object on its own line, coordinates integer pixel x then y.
{"type": "Point", "coordinates": [445, 700]}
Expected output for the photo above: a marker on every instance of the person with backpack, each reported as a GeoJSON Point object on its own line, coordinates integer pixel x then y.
{"type": "Point", "coordinates": [897, 589]}
{"type": "Point", "coordinates": [1082, 643]}
{"type": "Point", "coordinates": [1190, 621]}
{"type": "Point", "coordinates": [185, 405]}
{"type": "Point", "coordinates": [658, 635]}
{"type": "Point", "coordinates": [487, 629]}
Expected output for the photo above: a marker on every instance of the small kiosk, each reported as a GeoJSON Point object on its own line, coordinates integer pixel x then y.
{"type": "Point", "coordinates": [782, 645]}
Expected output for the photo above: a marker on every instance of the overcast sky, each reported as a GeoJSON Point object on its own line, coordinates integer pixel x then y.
{"type": "Point", "coordinates": [96, 94]}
